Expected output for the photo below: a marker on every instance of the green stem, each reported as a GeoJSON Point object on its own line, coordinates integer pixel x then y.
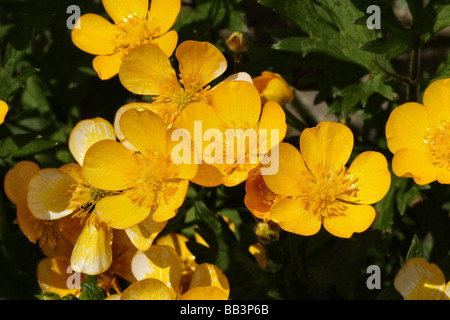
{"type": "Point", "coordinates": [414, 74]}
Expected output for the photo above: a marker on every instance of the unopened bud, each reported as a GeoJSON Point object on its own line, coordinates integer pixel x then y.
{"type": "Point", "coordinates": [267, 231]}
{"type": "Point", "coordinates": [237, 42]}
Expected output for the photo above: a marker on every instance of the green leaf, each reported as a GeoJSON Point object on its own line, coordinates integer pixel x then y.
{"type": "Point", "coordinates": [24, 145]}
{"type": "Point", "coordinates": [330, 30]}
{"type": "Point", "coordinates": [90, 290]}
{"type": "Point", "coordinates": [415, 249]}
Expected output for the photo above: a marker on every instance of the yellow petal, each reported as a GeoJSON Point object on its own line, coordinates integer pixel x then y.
{"type": "Point", "coordinates": [293, 217]}
{"type": "Point", "coordinates": [167, 42]}
{"type": "Point", "coordinates": [144, 233]}
{"type": "Point", "coordinates": [420, 280]}
{"type": "Point", "coordinates": [86, 133]}
{"type": "Point", "coordinates": [145, 130]}
{"type": "Point", "coordinates": [208, 176]}
{"type": "Point", "coordinates": [436, 100]}
{"type": "Point", "coordinates": [108, 66]}
{"type": "Point", "coordinates": [199, 63]}
{"type": "Point", "coordinates": [171, 196]}
{"type": "Point", "coordinates": [108, 165]}
{"type": "Point", "coordinates": [204, 293]}
{"type": "Point", "coordinates": [123, 252]}
{"type": "Point", "coordinates": [159, 262]}
{"type": "Point", "coordinates": [327, 146]}
{"type": "Point", "coordinates": [258, 197]}
{"type": "Point", "coordinates": [49, 194]}
{"type": "Point", "coordinates": [53, 276]}
{"type": "Point", "coordinates": [119, 212]}
{"type": "Point", "coordinates": [163, 14]}
{"type": "Point", "coordinates": [407, 127]}
{"type": "Point", "coordinates": [95, 35]}
{"type": "Point", "coordinates": [273, 119]}
{"type": "Point", "coordinates": [3, 110]}
{"type": "Point", "coordinates": [132, 105]}
{"type": "Point", "coordinates": [147, 71]}
{"type": "Point", "coordinates": [371, 177]}
{"type": "Point", "coordinates": [411, 163]}
{"type": "Point", "coordinates": [17, 179]}
{"type": "Point", "coordinates": [237, 104]}
{"type": "Point", "coordinates": [356, 218]}
{"type": "Point", "coordinates": [147, 289]}
{"type": "Point", "coordinates": [260, 253]}
{"type": "Point", "coordinates": [28, 224]}
{"type": "Point", "coordinates": [92, 253]}
{"type": "Point", "coordinates": [208, 275]}
{"type": "Point", "coordinates": [178, 242]}
{"type": "Point", "coordinates": [291, 174]}
{"type": "Point", "coordinates": [120, 11]}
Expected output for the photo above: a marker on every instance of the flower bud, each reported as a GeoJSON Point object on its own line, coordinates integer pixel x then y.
{"type": "Point", "coordinates": [267, 231]}
{"type": "Point", "coordinates": [272, 87]}
{"type": "Point", "coordinates": [237, 42]}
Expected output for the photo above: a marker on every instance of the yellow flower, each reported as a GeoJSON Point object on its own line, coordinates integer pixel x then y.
{"type": "Point", "coordinates": [322, 189]}
{"type": "Point", "coordinates": [159, 274]}
{"type": "Point", "coordinates": [55, 237]}
{"type": "Point", "coordinates": [272, 86]}
{"type": "Point", "coordinates": [258, 197]}
{"type": "Point", "coordinates": [134, 25]}
{"type": "Point", "coordinates": [420, 280]}
{"type": "Point", "coordinates": [419, 136]}
{"type": "Point", "coordinates": [148, 71]}
{"type": "Point", "coordinates": [150, 187]}
{"type": "Point", "coordinates": [178, 243]}
{"type": "Point", "coordinates": [242, 133]}
{"type": "Point", "coordinates": [3, 110]}
{"type": "Point", "coordinates": [55, 193]}
{"type": "Point", "coordinates": [55, 275]}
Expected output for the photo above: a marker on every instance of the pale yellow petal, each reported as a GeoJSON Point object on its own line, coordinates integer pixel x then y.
{"type": "Point", "coordinates": [86, 133]}
{"type": "Point", "coordinates": [159, 262]}
{"type": "Point", "coordinates": [420, 280]}
{"type": "Point", "coordinates": [204, 293]}
{"type": "Point", "coordinates": [92, 253]}
{"type": "Point", "coordinates": [144, 233]}
{"type": "Point", "coordinates": [208, 275]}
{"type": "Point", "coordinates": [54, 274]}
{"type": "Point", "coordinates": [147, 289]}
{"type": "Point", "coordinates": [50, 193]}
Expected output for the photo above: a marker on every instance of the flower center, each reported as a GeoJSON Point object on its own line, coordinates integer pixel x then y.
{"type": "Point", "coordinates": [153, 170]}
{"type": "Point", "coordinates": [135, 31]}
{"type": "Point", "coordinates": [328, 193]}
{"type": "Point", "coordinates": [437, 142]}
